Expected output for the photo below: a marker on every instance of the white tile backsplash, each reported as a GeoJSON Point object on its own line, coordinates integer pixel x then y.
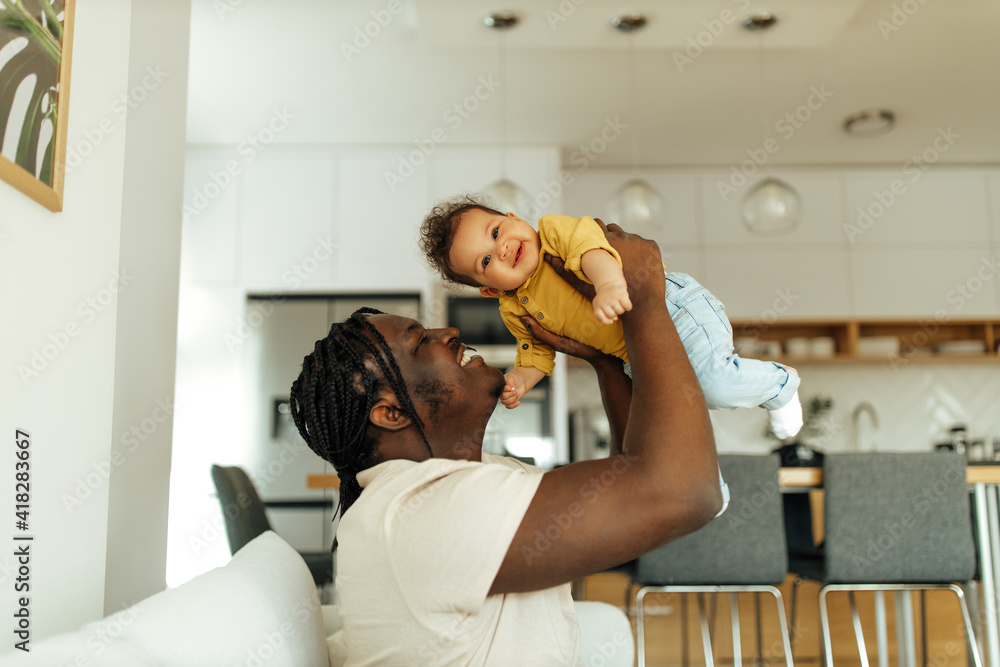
{"type": "Point", "coordinates": [784, 284]}
{"type": "Point", "coordinates": [921, 282]}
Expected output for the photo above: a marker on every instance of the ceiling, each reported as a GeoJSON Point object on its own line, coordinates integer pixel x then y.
{"type": "Point", "coordinates": [935, 64]}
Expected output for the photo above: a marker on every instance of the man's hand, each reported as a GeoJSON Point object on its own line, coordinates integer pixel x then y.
{"type": "Point", "coordinates": [568, 346]}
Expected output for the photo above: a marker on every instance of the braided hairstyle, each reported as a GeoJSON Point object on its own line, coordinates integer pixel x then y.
{"type": "Point", "coordinates": [331, 399]}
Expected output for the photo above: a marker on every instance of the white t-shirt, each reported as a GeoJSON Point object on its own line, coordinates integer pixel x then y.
{"type": "Point", "coordinates": [417, 555]}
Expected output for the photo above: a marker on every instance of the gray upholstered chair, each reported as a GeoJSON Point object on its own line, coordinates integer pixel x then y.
{"type": "Point", "coordinates": [245, 518]}
{"type": "Point", "coordinates": [893, 522]}
{"type": "Point", "coordinates": [741, 551]}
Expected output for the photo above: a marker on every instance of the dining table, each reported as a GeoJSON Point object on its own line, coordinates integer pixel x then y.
{"type": "Point", "coordinates": [984, 485]}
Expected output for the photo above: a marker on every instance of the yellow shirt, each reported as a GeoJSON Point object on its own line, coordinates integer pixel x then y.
{"type": "Point", "coordinates": [558, 307]}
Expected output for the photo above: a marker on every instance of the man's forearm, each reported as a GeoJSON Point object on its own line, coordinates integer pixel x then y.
{"type": "Point", "coordinates": [616, 395]}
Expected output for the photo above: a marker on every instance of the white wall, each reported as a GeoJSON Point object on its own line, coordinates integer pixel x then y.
{"type": "Point", "coordinates": [98, 537]}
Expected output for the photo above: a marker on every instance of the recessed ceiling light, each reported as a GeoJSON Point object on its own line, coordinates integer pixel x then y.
{"type": "Point", "coordinates": [629, 22]}
{"type": "Point", "coordinates": [760, 21]}
{"type": "Point", "coordinates": [500, 20]}
{"type": "Point", "coordinates": [869, 123]}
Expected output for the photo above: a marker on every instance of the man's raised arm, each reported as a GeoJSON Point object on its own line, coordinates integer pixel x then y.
{"type": "Point", "coordinates": [665, 484]}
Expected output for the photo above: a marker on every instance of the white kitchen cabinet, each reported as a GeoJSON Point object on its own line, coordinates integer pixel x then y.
{"type": "Point", "coordinates": [909, 206]}
{"type": "Point", "coordinates": [770, 285]}
{"type": "Point", "coordinates": [379, 224]}
{"type": "Point", "coordinates": [922, 282]}
{"type": "Point", "coordinates": [288, 224]}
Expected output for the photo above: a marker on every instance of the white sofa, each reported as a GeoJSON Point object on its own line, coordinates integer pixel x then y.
{"type": "Point", "coordinates": [260, 609]}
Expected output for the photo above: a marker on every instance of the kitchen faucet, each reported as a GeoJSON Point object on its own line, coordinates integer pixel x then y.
{"type": "Point", "coordinates": [862, 407]}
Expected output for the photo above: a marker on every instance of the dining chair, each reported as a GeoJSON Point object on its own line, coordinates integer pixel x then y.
{"type": "Point", "coordinates": [246, 518]}
{"type": "Point", "coordinates": [895, 522]}
{"type": "Point", "coordinates": [741, 551]}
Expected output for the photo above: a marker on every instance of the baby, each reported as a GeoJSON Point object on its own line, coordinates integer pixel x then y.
{"type": "Point", "coordinates": [472, 244]}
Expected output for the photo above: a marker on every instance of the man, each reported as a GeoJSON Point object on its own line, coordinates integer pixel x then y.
{"type": "Point", "coordinates": [452, 556]}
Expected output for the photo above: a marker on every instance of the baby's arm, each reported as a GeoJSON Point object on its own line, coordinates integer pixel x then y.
{"type": "Point", "coordinates": [603, 270]}
{"type": "Point", "coordinates": [517, 383]}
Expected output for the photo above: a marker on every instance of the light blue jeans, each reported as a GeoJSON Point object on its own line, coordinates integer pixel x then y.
{"type": "Point", "coordinates": [727, 380]}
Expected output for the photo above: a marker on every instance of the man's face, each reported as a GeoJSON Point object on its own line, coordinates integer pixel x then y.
{"type": "Point", "coordinates": [453, 391]}
{"type": "Point", "coordinates": [499, 251]}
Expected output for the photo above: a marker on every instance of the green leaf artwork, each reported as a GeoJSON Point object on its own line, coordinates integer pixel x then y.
{"type": "Point", "coordinates": [30, 56]}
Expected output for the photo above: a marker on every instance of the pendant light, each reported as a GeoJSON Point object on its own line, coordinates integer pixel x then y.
{"type": "Point", "coordinates": [507, 195]}
{"type": "Point", "coordinates": [772, 206]}
{"type": "Point", "coordinates": [636, 205]}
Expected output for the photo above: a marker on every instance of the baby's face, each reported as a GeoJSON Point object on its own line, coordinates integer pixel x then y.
{"type": "Point", "coordinates": [499, 251]}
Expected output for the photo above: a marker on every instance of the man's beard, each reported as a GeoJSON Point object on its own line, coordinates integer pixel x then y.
{"type": "Point", "coordinates": [436, 394]}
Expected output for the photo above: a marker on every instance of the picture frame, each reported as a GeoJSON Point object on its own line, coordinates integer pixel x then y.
{"type": "Point", "coordinates": [36, 45]}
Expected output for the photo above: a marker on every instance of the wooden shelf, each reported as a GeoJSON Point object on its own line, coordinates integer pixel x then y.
{"type": "Point", "coordinates": [856, 341]}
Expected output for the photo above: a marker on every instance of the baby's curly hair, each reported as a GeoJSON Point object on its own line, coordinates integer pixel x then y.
{"type": "Point", "coordinates": [438, 231]}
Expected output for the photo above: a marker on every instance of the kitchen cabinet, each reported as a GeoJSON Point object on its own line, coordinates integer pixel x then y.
{"type": "Point", "coordinates": [873, 341]}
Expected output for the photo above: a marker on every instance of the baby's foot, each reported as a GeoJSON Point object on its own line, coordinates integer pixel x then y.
{"type": "Point", "coordinates": [786, 420]}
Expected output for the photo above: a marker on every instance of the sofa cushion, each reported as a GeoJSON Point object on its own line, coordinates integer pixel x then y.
{"type": "Point", "coordinates": [260, 609]}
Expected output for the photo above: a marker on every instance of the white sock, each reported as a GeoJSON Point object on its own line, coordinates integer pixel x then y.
{"type": "Point", "coordinates": [786, 420]}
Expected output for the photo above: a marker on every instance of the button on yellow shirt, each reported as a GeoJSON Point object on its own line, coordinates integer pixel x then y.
{"type": "Point", "coordinates": [553, 303]}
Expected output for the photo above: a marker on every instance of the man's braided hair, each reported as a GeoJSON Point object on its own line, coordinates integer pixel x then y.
{"type": "Point", "coordinates": [331, 399]}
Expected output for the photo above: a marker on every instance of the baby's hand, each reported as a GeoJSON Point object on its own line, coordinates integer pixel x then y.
{"type": "Point", "coordinates": [514, 388]}
{"type": "Point", "coordinates": [611, 301]}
